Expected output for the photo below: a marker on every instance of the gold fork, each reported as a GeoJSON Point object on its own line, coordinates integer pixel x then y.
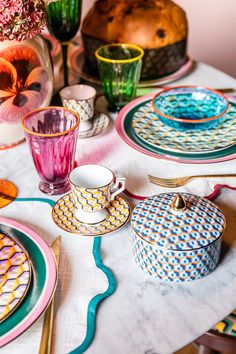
{"type": "Point", "coordinates": [46, 338]}
{"type": "Point", "coordinates": [181, 181]}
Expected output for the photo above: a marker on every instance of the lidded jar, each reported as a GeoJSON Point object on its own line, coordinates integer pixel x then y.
{"type": "Point", "coordinates": [177, 237]}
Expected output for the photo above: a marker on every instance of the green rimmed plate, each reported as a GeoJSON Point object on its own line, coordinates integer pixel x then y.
{"type": "Point", "coordinates": [43, 284]}
{"type": "Point", "coordinates": [151, 131]}
{"type": "Point", "coordinates": [126, 131]}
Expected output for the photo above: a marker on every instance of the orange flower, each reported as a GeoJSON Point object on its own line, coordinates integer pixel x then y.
{"type": "Point", "coordinates": [23, 83]}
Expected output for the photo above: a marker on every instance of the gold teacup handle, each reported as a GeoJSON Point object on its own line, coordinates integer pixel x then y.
{"type": "Point", "coordinates": [115, 187]}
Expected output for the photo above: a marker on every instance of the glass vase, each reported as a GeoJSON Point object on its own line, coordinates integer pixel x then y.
{"type": "Point", "coordinates": [26, 83]}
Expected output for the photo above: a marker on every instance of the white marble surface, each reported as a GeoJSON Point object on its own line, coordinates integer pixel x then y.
{"type": "Point", "coordinates": [144, 316]}
{"type": "Point", "coordinates": [149, 316]}
{"type": "Point", "coordinates": [79, 278]}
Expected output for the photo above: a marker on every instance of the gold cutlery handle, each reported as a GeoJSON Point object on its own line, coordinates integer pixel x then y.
{"type": "Point", "coordinates": [46, 339]}
{"type": "Point", "coordinates": [214, 176]}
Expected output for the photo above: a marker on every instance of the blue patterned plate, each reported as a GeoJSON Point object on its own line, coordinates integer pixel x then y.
{"type": "Point", "coordinates": [151, 131]}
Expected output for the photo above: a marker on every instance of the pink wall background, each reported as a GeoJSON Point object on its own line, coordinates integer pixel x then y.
{"type": "Point", "coordinates": [212, 29]}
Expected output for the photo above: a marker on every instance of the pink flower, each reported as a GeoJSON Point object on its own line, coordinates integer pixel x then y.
{"type": "Point", "coordinates": [23, 83]}
{"type": "Point", "coordinates": [21, 19]}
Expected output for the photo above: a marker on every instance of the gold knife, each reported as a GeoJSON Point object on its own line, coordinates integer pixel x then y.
{"type": "Point", "coordinates": [46, 338]}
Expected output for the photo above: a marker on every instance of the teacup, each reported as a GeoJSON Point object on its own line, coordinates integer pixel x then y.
{"type": "Point", "coordinates": [80, 98]}
{"type": "Point", "coordinates": [93, 187]}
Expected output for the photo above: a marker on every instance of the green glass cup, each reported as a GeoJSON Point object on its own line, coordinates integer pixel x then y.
{"type": "Point", "coordinates": [63, 20]}
{"type": "Point", "coordinates": [119, 67]}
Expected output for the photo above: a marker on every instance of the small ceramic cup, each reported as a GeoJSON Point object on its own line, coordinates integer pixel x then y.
{"type": "Point", "coordinates": [93, 187]}
{"type": "Point", "coordinates": [80, 98]}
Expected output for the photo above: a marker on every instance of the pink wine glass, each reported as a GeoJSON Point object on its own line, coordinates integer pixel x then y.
{"type": "Point", "coordinates": [51, 133]}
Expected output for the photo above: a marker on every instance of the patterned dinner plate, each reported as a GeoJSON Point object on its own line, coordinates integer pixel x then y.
{"type": "Point", "coordinates": [77, 60]}
{"type": "Point", "coordinates": [151, 130]}
{"type": "Point", "coordinates": [15, 275]}
{"type": "Point", "coordinates": [100, 123]}
{"type": "Point", "coordinates": [63, 214]}
{"type": "Point", "coordinates": [127, 133]}
{"type": "Point", "coordinates": [43, 284]}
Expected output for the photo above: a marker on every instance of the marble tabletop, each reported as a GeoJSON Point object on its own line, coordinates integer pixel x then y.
{"type": "Point", "coordinates": [143, 316]}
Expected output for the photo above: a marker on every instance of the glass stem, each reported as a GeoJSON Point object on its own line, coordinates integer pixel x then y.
{"type": "Point", "coordinates": [65, 67]}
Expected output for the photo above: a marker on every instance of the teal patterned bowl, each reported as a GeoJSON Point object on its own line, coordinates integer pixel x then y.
{"type": "Point", "coordinates": [190, 107]}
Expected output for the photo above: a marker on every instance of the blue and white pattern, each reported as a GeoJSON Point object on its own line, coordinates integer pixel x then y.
{"type": "Point", "coordinates": [177, 246]}
{"type": "Point", "coordinates": [176, 266]}
{"type": "Point", "coordinates": [151, 130]}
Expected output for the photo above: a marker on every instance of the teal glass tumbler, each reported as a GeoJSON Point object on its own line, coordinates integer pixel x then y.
{"type": "Point", "coordinates": [119, 67]}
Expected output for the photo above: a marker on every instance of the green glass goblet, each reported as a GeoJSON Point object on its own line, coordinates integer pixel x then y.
{"type": "Point", "coordinates": [119, 67]}
{"type": "Point", "coordinates": [63, 22]}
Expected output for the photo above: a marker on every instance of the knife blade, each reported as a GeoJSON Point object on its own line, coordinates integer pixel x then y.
{"type": "Point", "coordinates": [46, 338]}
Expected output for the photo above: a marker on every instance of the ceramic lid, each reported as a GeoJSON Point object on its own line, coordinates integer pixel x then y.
{"type": "Point", "coordinates": [178, 221]}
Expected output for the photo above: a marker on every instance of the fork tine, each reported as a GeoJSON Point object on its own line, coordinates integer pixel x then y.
{"type": "Point", "coordinates": [181, 181]}
{"type": "Point", "coordinates": [167, 185]}
{"type": "Point", "coordinates": [161, 183]}
{"type": "Point", "coordinates": [171, 183]}
{"type": "Point", "coordinates": [160, 180]}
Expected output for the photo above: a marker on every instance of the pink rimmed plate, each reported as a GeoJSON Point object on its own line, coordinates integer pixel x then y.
{"type": "Point", "coordinates": [125, 130]}
{"type": "Point", "coordinates": [77, 61]}
{"type": "Point", "coordinates": [43, 285]}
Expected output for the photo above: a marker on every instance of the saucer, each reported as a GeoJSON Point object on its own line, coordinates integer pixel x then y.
{"type": "Point", "coordinates": [100, 124]}
{"type": "Point", "coordinates": [63, 214]}
{"type": "Point", "coordinates": [15, 275]}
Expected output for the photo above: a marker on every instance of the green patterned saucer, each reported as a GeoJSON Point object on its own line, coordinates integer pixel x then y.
{"type": "Point", "coordinates": [151, 131]}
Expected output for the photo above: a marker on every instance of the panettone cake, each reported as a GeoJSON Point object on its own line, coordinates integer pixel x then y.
{"type": "Point", "coordinates": [158, 26]}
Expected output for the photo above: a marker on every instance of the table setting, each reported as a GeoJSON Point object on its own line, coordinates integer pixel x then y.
{"type": "Point", "coordinates": [117, 189]}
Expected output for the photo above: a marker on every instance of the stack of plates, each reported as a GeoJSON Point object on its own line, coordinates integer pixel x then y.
{"type": "Point", "coordinates": [78, 64]}
{"type": "Point", "coordinates": [28, 278]}
{"type": "Point", "coordinates": [139, 126]}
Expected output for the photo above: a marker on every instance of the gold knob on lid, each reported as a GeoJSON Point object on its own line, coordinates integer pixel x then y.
{"type": "Point", "coordinates": [179, 203]}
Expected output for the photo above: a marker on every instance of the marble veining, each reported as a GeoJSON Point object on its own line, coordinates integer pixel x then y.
{"type": "Point", "coordinates": [149, 315]}
{"type": "Point", "coordinates": [144, 316]}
